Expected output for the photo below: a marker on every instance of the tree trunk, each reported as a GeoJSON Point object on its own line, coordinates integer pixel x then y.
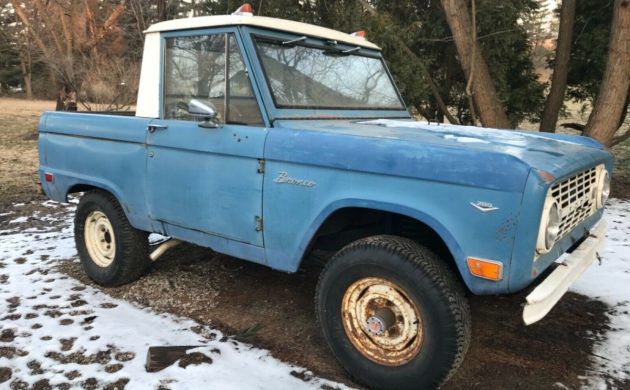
{"type": "Point", "coordinates": [27, 77]}
{"type": "Point", "coordinates": [561, 67]}
{"type": "Point", "coordinates": [490, 109]}
{"type": "Point", "coordinates": [66, 99]}
{"type": "Point", "coordinates": [624, 110]}
{"type": "Point", "coordinates": [28, 85]}
{"type": "Point", "coordinates": [161, 10]}
{"type": "Point", "coordinates": [604, 119]}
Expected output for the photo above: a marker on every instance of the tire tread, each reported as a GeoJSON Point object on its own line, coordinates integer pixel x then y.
{"type": "Point", "coordinates": [437, 271]}
{"type": "Point", "coordinates": [134, 244]}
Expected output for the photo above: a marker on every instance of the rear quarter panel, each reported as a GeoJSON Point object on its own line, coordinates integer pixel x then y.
{"type": "Point", "coordinates": [104, 151]}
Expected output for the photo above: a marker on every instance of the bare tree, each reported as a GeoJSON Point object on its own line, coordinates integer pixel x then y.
{"type": "Point", "coordinates": [609, 105]}
{"type": "Point", "coordinates": [26, 64]}
{"type": "Point", "coordinates": [488, 106]}
{"type": "Point", "coordinates": [555, 99]}
{"type": "Point", "coordinates": [71, 39]}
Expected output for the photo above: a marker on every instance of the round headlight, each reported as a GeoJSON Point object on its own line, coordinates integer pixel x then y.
{"type": "Point", "coordinates": [603, 188]}
{"type": "Point", "coordinates": [553, 226]}
{"type": "Point", "coordinates": [549, 225]}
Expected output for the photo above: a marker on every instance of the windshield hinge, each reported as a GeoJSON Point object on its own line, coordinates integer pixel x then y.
{"type": "Point", "coordinates": [261, 166]}
{"type": "Point", "coordinates": [259, 224]}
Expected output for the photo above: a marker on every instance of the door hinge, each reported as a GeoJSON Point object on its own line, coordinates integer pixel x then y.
{"type": "Point", "coordinates": [259, 224]}
{"type": "Point", "coordinates": [261, 166]}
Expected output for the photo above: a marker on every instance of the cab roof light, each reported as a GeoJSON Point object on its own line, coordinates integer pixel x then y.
{"type": "Point", "coordinates": [359, 34]}
{"type": "Point", "coordinates": [486, 269]}
{"type": "Point", "coordinates": [244, 10]}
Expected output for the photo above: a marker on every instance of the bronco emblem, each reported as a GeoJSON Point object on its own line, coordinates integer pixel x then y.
{"type": "Point", "coordinates": [284, 178]}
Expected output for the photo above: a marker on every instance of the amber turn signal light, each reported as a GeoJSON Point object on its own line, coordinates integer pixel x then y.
{"type": "Point", "coordinates": [487, 269]}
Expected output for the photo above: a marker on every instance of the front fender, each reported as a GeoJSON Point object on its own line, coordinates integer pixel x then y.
{"type": "Point", "coordinates": [445, 235]}
{"type": "Point", "coordinates": [293, 213]}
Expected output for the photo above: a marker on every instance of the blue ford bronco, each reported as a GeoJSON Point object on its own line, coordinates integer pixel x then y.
{"type": "Point", "coordinates": [266, 139]}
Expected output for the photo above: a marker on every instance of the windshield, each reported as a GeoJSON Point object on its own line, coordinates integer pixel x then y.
{"type": "Point", "coordinates": [309, 77]}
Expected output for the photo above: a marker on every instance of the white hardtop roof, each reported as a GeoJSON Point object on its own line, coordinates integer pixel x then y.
{"type": "Point", "coordinates": [260, 21]}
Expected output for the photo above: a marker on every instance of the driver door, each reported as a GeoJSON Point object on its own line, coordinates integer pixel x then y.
{"type": "Point", "coordinates": [202, 178]}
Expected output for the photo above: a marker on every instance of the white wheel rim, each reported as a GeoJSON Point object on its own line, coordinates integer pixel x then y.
{"type": "Point", "coordinates": [394, 344]}
{"type": "Point", "coordinates": [99, 239]}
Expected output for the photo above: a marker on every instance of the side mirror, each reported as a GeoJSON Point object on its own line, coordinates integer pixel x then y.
{"type": "Point", "coordinates": [202, 110]}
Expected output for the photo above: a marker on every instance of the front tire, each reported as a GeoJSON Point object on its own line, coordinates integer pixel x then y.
{"type": "Point", "coordinates": [112, 252]}
{"type": "Point", "coordinates": [393, 314]}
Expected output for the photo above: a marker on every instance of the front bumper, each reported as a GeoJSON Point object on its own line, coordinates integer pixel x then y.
{"type": "Point", "coordinates": [544, 297]}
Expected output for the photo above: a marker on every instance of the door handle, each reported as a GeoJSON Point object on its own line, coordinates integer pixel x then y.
{"type": "Point", "coordinates": [153, 127]}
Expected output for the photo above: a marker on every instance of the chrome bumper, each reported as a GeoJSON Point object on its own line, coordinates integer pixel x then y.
{"type": "Point", "coordinates": [544, 297]}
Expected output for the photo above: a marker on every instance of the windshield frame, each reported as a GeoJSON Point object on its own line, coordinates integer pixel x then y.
{"type": "Point", "coordinates": [275, 111]}
{"type": "Point", "coordinates": [259, 38]}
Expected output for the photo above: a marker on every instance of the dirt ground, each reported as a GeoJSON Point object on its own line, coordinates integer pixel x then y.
{"type": "Point", "coordinates": [274, 310]}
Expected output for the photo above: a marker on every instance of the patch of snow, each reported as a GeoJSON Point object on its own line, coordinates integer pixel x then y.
{"type": "Point", "coordinates": [465, 131]}
{"type": "Point", "coordinates": [481, 133]}
{"type": "Point", "coordinates": [19, 220]}
{"type": "Point", "coordinates": [50, 203]}
{"type": "Point", "coordinates": [57, 325]}
{"type": "Point", "coordinates": [155, 239]}
{"type": "Point", "coordinates": [466, 140]}
{"type": "Point", "coordinates": [610, 282]}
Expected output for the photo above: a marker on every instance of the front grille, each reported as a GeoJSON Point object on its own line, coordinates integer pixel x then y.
{"type": "Point", "coordinates": [576, 198]}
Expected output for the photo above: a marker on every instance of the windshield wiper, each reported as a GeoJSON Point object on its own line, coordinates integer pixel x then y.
{"type": "Point", "coordinates": [340, 53]}
{"type": "Point", "coordinates": [351, 50]}
{"type": "Point", "coordinates": [300, 39]}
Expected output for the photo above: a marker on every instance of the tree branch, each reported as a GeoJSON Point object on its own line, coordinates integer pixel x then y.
{"type": "Point", "coordinates": [24, 18]}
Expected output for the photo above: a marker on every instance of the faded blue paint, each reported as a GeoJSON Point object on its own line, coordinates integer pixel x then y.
{"type": "Point", "coordinates": [100, 150]}
{"type": "Point", "coordinates": [203, 185]}
{"type": "Point", "coordinates": [206, 179]}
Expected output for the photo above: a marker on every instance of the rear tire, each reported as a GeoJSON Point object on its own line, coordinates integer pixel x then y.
{"type": "Point", "coordinates": [393, 314]}
{"type": "Point", "coordinates": [112, 252]}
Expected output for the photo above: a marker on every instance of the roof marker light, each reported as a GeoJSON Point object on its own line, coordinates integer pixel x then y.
{"type": "Point", "coordinates": [244, 10]}
{"type": "Point", "coordinates": [359, 34]}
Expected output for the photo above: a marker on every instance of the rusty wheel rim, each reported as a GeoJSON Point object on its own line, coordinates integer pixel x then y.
{"type": "Point", "coordinates": [381, 321]}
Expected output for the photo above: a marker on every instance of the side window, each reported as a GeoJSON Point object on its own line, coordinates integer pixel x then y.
{"type": "Point", "coordinates": [195, 68]}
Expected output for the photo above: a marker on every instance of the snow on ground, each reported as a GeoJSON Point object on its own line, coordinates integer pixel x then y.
{"type": "Point", "coordinates": [610, 282]}
{"type": "Point", "coordinates": [55, 331]}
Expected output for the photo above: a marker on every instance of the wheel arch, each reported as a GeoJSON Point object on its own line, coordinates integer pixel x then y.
{"type": "Point", "coordinates": [87, 185]}
{"type": "Point", "coordinates": [84, 186]}
{"type": "Point", "coordinates": [444, 243]}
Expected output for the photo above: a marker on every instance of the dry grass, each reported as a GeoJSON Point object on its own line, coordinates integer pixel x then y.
{"type": "Point", "coordinates": [24, 108]}
{"type": "Point", "coordinates": [18, 148]}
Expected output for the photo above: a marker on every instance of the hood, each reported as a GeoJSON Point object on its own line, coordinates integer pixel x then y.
{"type": "Point", "coordinates": [489, 158]}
